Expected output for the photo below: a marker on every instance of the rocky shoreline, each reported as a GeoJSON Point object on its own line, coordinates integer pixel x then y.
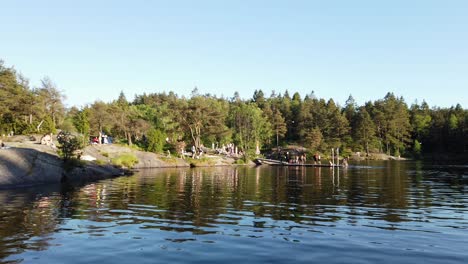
{"type": "Point", "coordinates": [23, 167]}
{"type": "Point", "coordinates": [24, 164]}
{"type": "Point", "coordinates": [27, 163]}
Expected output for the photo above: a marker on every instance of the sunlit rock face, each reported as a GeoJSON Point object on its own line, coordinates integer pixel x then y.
{"type": "Point", "coordinates": [25, 167]}
{"type": "Point", "coordinates": [28, 167]}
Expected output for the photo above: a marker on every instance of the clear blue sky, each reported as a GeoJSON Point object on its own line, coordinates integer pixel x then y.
{"type": "Point", "coordinates": [94, 49]}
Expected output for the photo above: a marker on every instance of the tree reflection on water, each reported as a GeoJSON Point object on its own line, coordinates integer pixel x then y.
{"type": "Point", "coordinates": [203, 199]}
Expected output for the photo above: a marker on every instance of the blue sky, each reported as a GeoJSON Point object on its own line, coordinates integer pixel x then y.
{"type": "Point", "coordinates": [94, 49]}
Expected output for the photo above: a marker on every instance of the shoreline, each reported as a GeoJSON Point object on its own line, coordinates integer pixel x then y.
{"type": "Point", "coordinates": [28, 164]}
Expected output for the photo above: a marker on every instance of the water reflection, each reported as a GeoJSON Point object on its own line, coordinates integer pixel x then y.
{"type": "Point", "coordinates": [209, 205]}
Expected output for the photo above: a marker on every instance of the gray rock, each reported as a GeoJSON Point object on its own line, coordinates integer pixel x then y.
{"type": "Point", "coordinates": [21, 167]}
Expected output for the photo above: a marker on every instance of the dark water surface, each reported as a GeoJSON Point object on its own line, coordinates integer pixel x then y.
{"type": "Point", "coordinates": [388, 212]}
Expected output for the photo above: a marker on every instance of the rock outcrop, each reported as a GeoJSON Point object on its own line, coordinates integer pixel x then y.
{"type": "Point", "coordinates": [30, 163]}
{"type": "Point", "coordinates": [21, 167]}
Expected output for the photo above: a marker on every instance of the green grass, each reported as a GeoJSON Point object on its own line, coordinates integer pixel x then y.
{"type": "Point", "coordinates": [125, 160]}
{"type": "Point", "coordinates": [101, 162]}
{"type": "Point", "coordinates": [202, 162]}
{"type": "Point", "coordinates": [240, 162]}
{"type": "Point", "coordinates": [169, 159]}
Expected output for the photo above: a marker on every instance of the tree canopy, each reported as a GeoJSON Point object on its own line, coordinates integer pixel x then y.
{"type": "Point", "coordinates": [160, 121]}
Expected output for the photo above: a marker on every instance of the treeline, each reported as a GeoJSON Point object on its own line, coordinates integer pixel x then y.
{"type": "Point", "coordinates": [160, 121]}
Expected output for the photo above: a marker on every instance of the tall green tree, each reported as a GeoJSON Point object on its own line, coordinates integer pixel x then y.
{"type": "Point", "coordinates": [313, 138]}
{"type": "Point", "coordinates": [259, 98]}
{"type": "Point", "coordinates": [392, 116]}
{"type": "Point", "coordinates": [278, 125]}
{"type": "Point", "coordinates": [294, 125]}
{"type": "Point", "coordinates": [15, 101]}
{"type": "Point", "coordinates": [80, 120]}
{"type": "Point", "coordinates": [250, 127]}
{"type": "Point", "coordinates": [52, 100]}
{"type": "Point", "coordinates": [338, 126]}
{"type": "Point", "coordinates": [203, 116]}
{"type": "Point", "coordinates": [99, 114]}
{"type": "Point", "coordinates": [364, 130]}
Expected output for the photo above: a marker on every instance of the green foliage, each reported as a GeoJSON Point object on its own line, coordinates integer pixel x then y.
{"type": "Point", "coordinates": [240, 162]}
{"type": "Point", "coordinates": [24, 110]}
{"type": "Point", "coordinates": [397, 152]}
{"type": "Point", "coordinates": [101, 162]}
{"type": "Point", "coordinates": [171, 159]}
{"type": "Point", "coordinates": [69, 145]}
{"type": "Point", "coordinates": [156, 140]}
{"type": "Point", "coordinates": [453, 122]}
{"type": "Point", "coordinates": [81, 122]}
{"type": "Point", "coordinates": [203, 115]}
{"type": "Point", "coordinates": [67, 125]}
{"type": "Point", "coordinates": [313, 138]}
{"type": "Point", "coordinates": [417, 148]}
{"type": "Point", "coordinates": [421, 121]}
{"type": "Point", "coordinates": [48, 126]}
{"type": "Point", "coordinates": [125, 160]}
{"type": "Point", "coordinates": [385, 125]}
{"type": "Point", "coordinates": [391, 117]}
{"type": "Point", "coordinates": [249, 126]}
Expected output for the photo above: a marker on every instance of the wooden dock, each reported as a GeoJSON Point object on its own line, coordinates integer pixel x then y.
{"type": "Point", "coordinates": [272, 162]}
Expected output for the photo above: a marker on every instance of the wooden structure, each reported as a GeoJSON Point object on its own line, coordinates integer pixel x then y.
{"type": "Point", "coordinates": [272, 162]}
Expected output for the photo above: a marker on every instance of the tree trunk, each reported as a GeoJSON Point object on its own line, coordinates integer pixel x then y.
{"type": "Point", "coordinates": [277, 140]}
{"type": "Point", "coordinates": [39, 126]}
{"type": "Point", "coordinates": [129, 139]}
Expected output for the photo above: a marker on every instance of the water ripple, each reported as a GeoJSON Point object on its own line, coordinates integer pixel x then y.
{"type": "Point", "coordinates": [261, 215]}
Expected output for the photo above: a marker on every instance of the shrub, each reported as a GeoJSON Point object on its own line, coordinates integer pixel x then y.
{"type": "Point", "coordinates": [69, 145]}
{"type": "Point", "coordinates": [240, 162]}
{"type": "Point", "coordinates": [155, 140]}
{"type": "Point", "coordinates": [417, 148]}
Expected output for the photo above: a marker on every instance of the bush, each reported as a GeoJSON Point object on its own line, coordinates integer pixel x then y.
{"type": "Point", "coordinates": [155, 141]}
{"type": "Point", "coordinates": [240, 162]}
{"type": "Point", "coordinates": [417, 148]}
{"type": "Point", "coordinates": [125, 160]}
{"type": "Point", "coordinates": [397, 152]}
{"type": "Point", "coordinates": [69, 145]}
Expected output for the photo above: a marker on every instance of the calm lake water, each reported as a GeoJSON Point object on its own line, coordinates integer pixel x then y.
{"type": "Point", "coordinates": [387, 212]}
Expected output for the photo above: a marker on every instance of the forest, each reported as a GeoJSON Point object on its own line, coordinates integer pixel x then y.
{"type": "Point", "coordinates": [160, 122]}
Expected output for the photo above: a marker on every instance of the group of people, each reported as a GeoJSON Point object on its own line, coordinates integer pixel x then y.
{"type": "Point", "coordinates": [317, 158]}
{"type": "Point", "coordinates": [102, 139]}
{"type": "Point", "coordinates": [298, 159]}
{"type": "Point", "coordinates": [229, 150]}
{"type": "Point", "coordinates": [301, 158]}
{"type": "Point", "coordinates": [197, 152]}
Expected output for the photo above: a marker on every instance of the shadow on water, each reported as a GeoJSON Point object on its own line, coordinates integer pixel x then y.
{"type": "Point", "coordinates": [229, 203]}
